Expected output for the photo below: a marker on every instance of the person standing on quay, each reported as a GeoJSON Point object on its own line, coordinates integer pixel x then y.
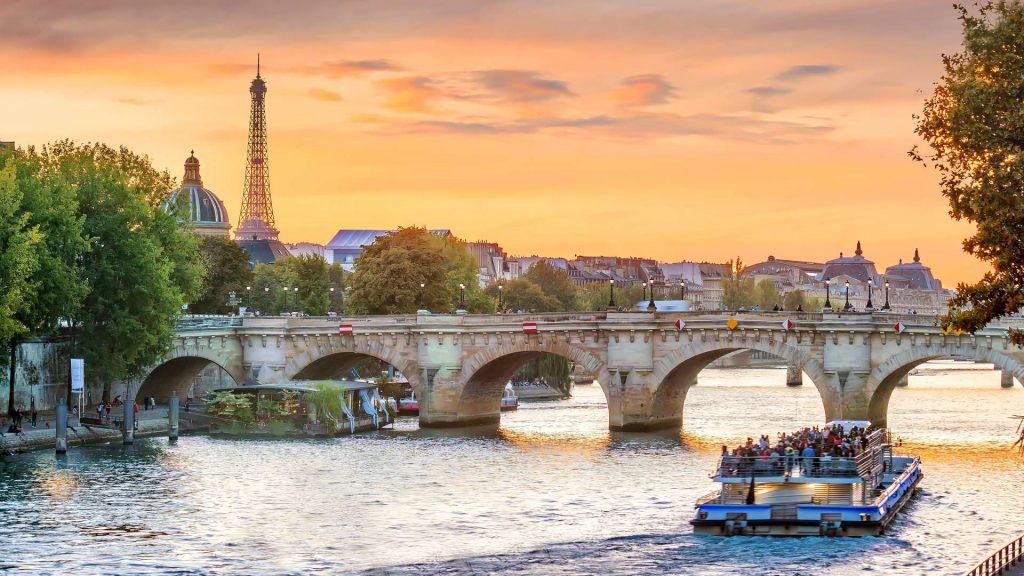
{"type": "Point", "coordinates": [135, 411]}
{"type": "Point", "coordinates": [35, 413]}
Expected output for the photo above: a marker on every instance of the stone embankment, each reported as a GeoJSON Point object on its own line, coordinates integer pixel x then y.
{"type": "Point", "coordinates": [46, 438]}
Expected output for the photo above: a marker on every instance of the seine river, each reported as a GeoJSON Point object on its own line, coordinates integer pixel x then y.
{"type": "Point", "coordinates": [552, 492]}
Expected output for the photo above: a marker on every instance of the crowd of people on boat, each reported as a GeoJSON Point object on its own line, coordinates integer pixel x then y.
{"type": "Point", "coordinates": [525, 383]}
{"type": "Point", "coordinates": [819, 450]}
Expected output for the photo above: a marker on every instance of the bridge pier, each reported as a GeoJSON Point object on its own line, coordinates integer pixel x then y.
{"type": "Point", "coordinates": [904, 381]}
{"type": "Point", "coordinates": [128, 425]}
{"type": "Point", "coordinates": [794, 375]}
{"type": "Point", "coordinates": [1006, 379]}
{"type": "Point", "coordinates": [172, 418]}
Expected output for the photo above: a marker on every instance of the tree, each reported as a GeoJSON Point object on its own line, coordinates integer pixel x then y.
{"type": "Point", "coordinates": [462, 268]}
{"type": "Point", "coordinates": [389, 272]}
{"type": "Point", "coordinates": [802, 300]}
{"type": "Point", "coordinates": [142, 264]}
{"type": "Point", "coordinates": [553, 282]}
{"type": "Point", "coordinates": [975, 127]}
{"type": "Point", "coordinates": [737, 290]}
{"type": "Point", "coordinates": [766, 295]}
{"type": "Point", "coordinates": [310, 274]}
{"type": "Point", "coordinates": [227, 270]}
{"type": "Point", "coordinates": [594, 297]}
{"type": "Point", "coordinates": [521, 294]}
{"type": "Point", "coordinates": [18, 263]}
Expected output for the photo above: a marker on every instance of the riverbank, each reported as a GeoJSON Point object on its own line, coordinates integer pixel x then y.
{"type": "Point", "coordinates": [46, 438]}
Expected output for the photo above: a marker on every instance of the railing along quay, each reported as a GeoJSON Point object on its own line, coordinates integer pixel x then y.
{"type": "Point", "coordinates": [1000, 561]}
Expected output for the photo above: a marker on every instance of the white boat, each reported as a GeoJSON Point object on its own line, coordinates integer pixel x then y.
{"type": "Point", "coordinates": [819, 496]}
{"type": "Point", "coordinates": [509, 400]}
{"type": "Point", "coordinates": [409, 406]}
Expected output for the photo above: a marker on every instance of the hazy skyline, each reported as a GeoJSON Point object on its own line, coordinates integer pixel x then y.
{"type": "Point", "coordinates": [701, 130]}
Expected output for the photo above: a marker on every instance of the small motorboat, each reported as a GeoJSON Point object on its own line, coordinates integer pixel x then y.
{"type": "Point", "coordinates": [509, 400]}
{"type": "Point", "coordinates": [409, 406]}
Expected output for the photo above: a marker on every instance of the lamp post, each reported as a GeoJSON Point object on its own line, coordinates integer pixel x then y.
{"type": "Point", "coordinates": [611, 294]}
{"type": "Point", "coordinates": [871, 282]}
{"type": "Point", "coordinates": [886, 305]}
{"type": "Point", "coordinates": [422, 286]}
{"type": "Point", "coordinates": [500, 301]}
{"type": "Point", "coordinates": [287, 292]}
{"type": "Point", "coordinates": [266, 295]}
{"type": "Point", "coordinates": [651, 306]}
{"type": "Point", "coordinates": [248, 297]}
{"type": "Point", "coordinates": [330, 302]}
{"type": "Point", "coordinates": [296, 301]}
{"type": "Point", "coordinates": [847, 307]}
{"type": "Point", "coordinates": [644, 284]}
{"type": "Point", "coordinates": [462, 298]}
{"type": "Point", "coordinates": [682, 290]}
{"type": "Point", "coordinates": [828, 294]}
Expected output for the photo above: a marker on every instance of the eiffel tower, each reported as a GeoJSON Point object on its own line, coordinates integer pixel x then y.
{"type": "Point", "coordinates": [256, 219]}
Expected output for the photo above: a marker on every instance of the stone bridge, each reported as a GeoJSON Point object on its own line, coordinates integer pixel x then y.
{"type": "Point", "coordinates": [644, 362]}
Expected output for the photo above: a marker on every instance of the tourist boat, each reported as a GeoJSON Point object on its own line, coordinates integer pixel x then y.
{"type": "Point", "coordinates": [509, 400]}
{"type": "Point", "coordinates": [810, 496]}
{"type": "Point", "coordinates": [409, 406]}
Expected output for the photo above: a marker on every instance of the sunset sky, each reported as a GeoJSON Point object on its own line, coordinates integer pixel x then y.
{"type": "Point", "coordinates": [695, 129]}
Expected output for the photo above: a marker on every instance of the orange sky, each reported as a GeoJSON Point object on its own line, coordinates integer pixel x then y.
{"type": "Point", "coordinates": [698, 130]}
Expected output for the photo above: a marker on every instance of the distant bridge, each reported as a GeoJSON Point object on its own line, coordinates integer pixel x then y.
{"type": "Point", "coordinates": [644, 362]}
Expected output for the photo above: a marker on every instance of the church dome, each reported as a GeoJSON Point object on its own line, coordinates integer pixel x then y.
{"type": "Point", "coordinates": [201, 206]}
{"type": "Point", "coordinates": [856, 267]}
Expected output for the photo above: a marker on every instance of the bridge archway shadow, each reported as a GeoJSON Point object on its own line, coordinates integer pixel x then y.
{"type": "Point", "coordinates": [179, 375]}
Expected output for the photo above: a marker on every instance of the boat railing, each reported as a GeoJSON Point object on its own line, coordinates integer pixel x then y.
{"type": "Point", "coordinates": [711, 498]}
{"type": "Point", "coordinates": [1000, 560]}
{"type": "Point", "coordinates": [792, 466]}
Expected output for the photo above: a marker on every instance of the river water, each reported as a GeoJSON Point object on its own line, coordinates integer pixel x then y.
{"type": "Point", "coordinates": [551, 492]}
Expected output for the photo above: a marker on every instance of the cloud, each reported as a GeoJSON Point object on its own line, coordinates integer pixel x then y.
{"type": "Point", "coordinates": [324, 95]}
{"type": "Point", "coordinates": [347, 68]}
{"type": "Point", "coordinates": [412, 94]}
{"type": "Point", "coordinates": [766, 91]}
{"type": "Point", "coordinates": [134, 101]}
{"type": "Point", "coordinates": [800, 72]}
{"type": "Point", "coordinates": [644, 90]}
{"type": "Point", "coordinates": [640, 126]}
{"type": "Point", "coordinates": [520, 85]}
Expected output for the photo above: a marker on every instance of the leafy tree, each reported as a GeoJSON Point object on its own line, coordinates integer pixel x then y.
{"type": "Point", "coordinates": [737, 291]}
{"type": "Point", "coordinates": [594, 297]}
{"type": "Point", "coordinates": [766, 295]}
{"type": "Point", "coordinates": [521, 294]}
{"type": "Point", "coordinates": [18, 263]}
{"type": "Point", "coordinates": [974, 124]}
{"type": "Point", "coordinates": [389, 272]}
{"type": "Point", "coordinates": [311, 275]}
{"type": "Point", "coordinates": [462, 268]}
{"type": "Point", "coordinates": [142, 264]}
{"type": "Point", "coordinates": [800, 299]}
{"type": "Point", "coordinates": [336, 278]}
{"type": "Point", "coordinates": [553, 282]}
{"type": "Point", "coordinates": [551, 368]}
{"type": "Point", "coordinates": [227, 270]}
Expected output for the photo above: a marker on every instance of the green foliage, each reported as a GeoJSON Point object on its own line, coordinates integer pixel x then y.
{"type": "Point", "coordinates": [310, 274]}
{"type": "Point", "coordinates": [766, 295]}
{"type": "Point", "coordinates": [800, 299]}
{"type": "Point", "coordinates": [523, 295]}
{"type": "Point", "coordinates": [326, 400]}
{"type": "Point", "coordinates": [594, 297]}
{"type": "Point", "coordinates": [227, 266]}
{"type": "Point", "coordinates": [974, 124]}
{"type": "Point", "coordinates": [19, 259]}
{"type": "Point", "coordinates": [737, 291]}
{"type": "Point", "coordinates": [389, 272]}
{"type": "Point", "coordinates": [551, 368]}
{"type": "Point", "coordinates": [231, 407]}
{"type": "Point", "coordinates": [553, 282]}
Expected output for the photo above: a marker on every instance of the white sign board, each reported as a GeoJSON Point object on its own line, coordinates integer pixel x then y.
{"type": "Point", "coordinates": [77, 375]}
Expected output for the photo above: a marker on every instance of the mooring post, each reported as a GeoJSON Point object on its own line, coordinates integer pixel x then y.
{"type": "Point", "coordinates": [1006, 379]}
{"type": "Point", "coordinates": [172, 418]}
{"type": "Point", "coordinates": [128, 430]}
{"type": "Point", "coordinates": [62, 428]}
{"type": "Point", "coordinates": [794, 375]}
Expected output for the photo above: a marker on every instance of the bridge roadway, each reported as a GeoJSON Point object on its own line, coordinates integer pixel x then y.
{"type": "Point", "coordinates": [644, 362]}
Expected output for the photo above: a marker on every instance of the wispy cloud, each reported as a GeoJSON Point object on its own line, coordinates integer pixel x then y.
{"type": "Point", "coordinates": [802, 71]}
{"type": "Point", "coordinates": [347, 68]}
{"type": "Point", "coordinates": [520, 85]}
{"type": "Point", "coordinates": [766, 91]}
{"type": "Point", "coordinates": [412, 94]}
{"type": "Point", "coordinates": [324, 95]}
{"type": "Point", "coordinates": [134, 101]}
{"type": "Point", "coordinates": [644, 90]}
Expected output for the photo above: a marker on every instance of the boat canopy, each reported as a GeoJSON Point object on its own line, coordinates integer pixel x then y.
{"type": "Point", "coordinates": [849, 424]}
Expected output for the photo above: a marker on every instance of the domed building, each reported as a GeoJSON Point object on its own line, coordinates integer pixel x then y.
{"type": "Point", "coordinates": [202, 207]}
{"type": "Point", "coordinates": [913, 275]}
{"type": "Point", "coordinates": [855, 267]}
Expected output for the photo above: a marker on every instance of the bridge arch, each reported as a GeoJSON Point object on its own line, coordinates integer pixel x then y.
{"type": "Point", "coordinates": [318, 363]}
{"type": "Point", "coordinates": [177, 374]}
{"type": "Point", "coordinates": [676, 371]}
{"type": "Point", "coordinates": [485, 373]}
{"type": "Point", "coordinates": [886, 375]}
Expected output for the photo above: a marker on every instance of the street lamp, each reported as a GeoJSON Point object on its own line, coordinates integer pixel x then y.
{"type": "Point", "coordinates": [644, 284]}
{"type": "Point", "coordinates": [651, 306]}
{"type": "Point", "coordinates": [266, 295]}
{"type": "Point", "coordinates": [286, 306]}
{"type": "Point", "coordinates": [248, 297]}
{"type": "Point", "coordinates": [462, 297]}
{"type": "Point", "coordinates": [296, 302]}
{"type": "Point", "coordinates": [847, 307]}
{"type": "Point", "coordinates": [500, 301]}
{"type": "Point", "coordinates": [422, 286]}
{"type": "Point", "coordinates": [682, 290]}
{"type": "Point", "coordinates": [330, 302]}
{"type": "Point", "coordinates": [611, 294]}
{"type": "Point", "coordinates": [828, 294]}
{"type": "Point", "coordinates": [871, 282]}
{"type": "Point", "coordinates": [886, 306]}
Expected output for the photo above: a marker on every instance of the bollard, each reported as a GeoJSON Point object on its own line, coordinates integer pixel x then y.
{"type": "Point", "coordinates": [172, 418]}
{"type": "Point", "coordinates": [128, 426]}
{"type": "Point", "coordinates": [794, 375]}
{"type": "Point", "coordinates": [1006, 379]}
{"type": "Point", "coordinates": [62, 429]}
